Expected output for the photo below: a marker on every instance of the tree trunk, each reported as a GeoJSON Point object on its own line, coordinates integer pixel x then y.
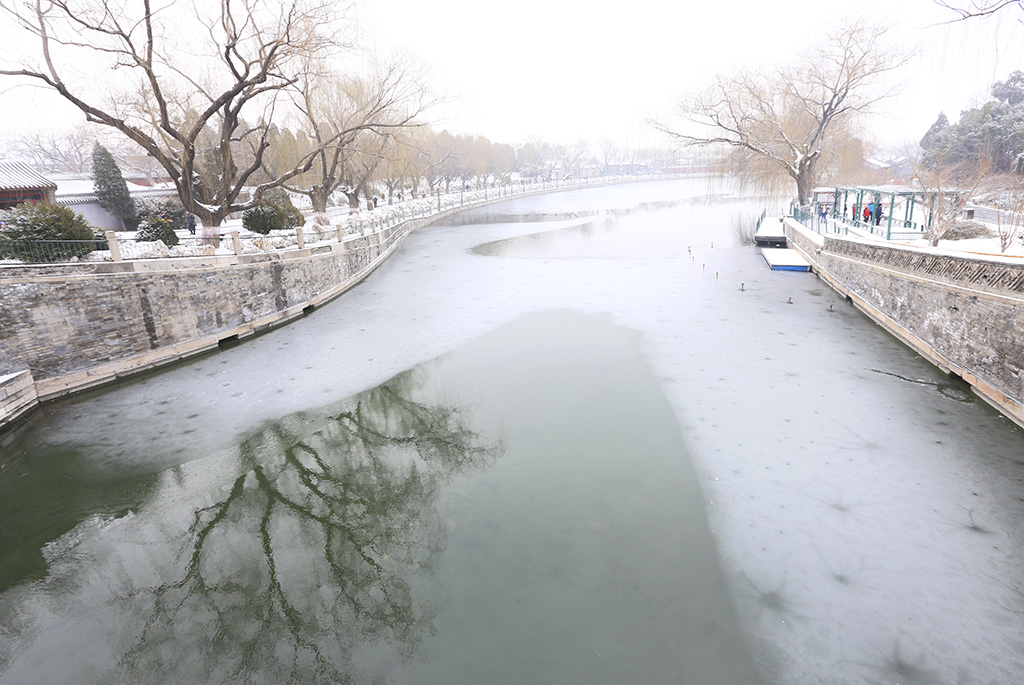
{"type": "Point", "coordinates": [318, 198]}
{"type": "Point", "coordinates": [209, 218]}
{"type": "Point", "coordinates": [805, 182]}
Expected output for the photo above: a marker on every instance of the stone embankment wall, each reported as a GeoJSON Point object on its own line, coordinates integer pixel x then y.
{"type": "Point", "coordinates": [964, 313]}
{"type": "Point", "coordinates": [69, 327]}
{"type": "Point", "coordinates": [17, 396]}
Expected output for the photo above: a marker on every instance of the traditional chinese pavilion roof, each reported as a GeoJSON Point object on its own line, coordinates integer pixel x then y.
{"type": "Point", "coordinates": [20, 176]}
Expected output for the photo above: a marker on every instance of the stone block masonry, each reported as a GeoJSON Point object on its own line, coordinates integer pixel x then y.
{"type": "Point", "coordinates": [964, 313]}
{"type": "Point", "coordinates": [65, 328]}
{"type": "Point", "coordinates": [17, 396]}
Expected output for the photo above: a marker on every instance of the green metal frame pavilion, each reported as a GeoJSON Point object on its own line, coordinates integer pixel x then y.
{"type": "Point", "coordinates": [842, 197]}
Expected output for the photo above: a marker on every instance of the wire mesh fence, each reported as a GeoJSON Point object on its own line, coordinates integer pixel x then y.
{"type": "Point", "coordinates": [48, 251]}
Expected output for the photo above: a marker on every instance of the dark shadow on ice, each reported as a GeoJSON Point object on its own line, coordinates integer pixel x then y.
{"type": "Point", "coordinates": [898, 664]}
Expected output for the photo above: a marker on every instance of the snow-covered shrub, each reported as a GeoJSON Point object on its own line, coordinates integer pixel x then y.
{"type": "Point", "coordinates": [965, 230]}
{"type": "Point", "coordinates": [33, 222]}
{"type": "Point", "coordinates": [154, 228]}
{"type": "Point", "coordinates": [262, 219]}
{"type": "Point", "coordinates": [169, 208]}
{"type": "Point", "coordinates": [275, 212]}
{"type": "Point", "coordinates": [278, 197]}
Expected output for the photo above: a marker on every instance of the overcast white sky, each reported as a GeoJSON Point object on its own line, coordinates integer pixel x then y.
{"type": "Point", "coordinates": [563, 70]}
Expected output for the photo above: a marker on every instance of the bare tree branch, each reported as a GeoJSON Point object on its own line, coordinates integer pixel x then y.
{"type": "Point", "coordinates": [978, 8]}
{"type": "Point", "coordinates": [182, 80]}
{"type": "Point", "coordinates": [785, 120]}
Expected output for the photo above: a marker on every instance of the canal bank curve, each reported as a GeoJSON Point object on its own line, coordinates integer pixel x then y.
{"type": "Point", "coordinates": [65, 328]}
{"type": "Point", "coordinates": [961, 312]}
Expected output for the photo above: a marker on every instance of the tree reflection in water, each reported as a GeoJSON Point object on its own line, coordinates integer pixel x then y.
{"type": "Point", "coordinates": [316, 550]}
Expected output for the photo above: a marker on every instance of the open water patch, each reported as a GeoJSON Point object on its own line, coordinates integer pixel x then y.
{"type": "Point", "coordinates": [521, 509]}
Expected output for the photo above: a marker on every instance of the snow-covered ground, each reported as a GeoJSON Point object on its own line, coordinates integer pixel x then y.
{"type": "Point", "coordinates": [986, 247]}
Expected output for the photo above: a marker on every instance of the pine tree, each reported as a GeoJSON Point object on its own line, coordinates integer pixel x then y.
{"type": "Point", "coordinates": [111, 190]}
{"type": "Point", "coordinates": [936, 133]}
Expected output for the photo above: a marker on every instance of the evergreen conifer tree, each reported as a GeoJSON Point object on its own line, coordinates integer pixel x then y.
{"type": "Point", "coordinates": [111, 189]}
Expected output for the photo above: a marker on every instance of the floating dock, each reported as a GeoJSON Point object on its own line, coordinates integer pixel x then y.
{"type": "Point", "coordinates": [784, 259]}
{"type": "Point", "coordinates": [771, 232]}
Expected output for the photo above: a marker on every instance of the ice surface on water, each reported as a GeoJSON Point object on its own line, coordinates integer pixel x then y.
{"type": "Point", "coordinates": [868, 514]}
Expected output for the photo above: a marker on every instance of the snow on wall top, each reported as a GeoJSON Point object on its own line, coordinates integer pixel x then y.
{"type": "Point", "coordinates": [20, 176]}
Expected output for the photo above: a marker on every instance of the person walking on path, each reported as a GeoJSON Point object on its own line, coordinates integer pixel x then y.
{"type": "Point", "coordinates": [190, 222]}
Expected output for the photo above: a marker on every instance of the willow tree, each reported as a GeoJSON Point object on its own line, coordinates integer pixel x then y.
{"type": "Point", "coordinates": [399, 163]}
{"type": "Point", "coordinates": [184, 80]}
{"type": "Point", "coordinates": [778, 124]}
{"type": "Point", "coordinates": [348, 120]}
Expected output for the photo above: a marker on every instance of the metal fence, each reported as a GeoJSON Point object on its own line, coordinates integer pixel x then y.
{"type": "Point", "coordinates": [48, 251]}
{"type": "Point", "coordinates": [820, 224]}
{"type": "Point", "coordinates": [760, 219]}
{"type": "Point", "coordinates": [908, 231]}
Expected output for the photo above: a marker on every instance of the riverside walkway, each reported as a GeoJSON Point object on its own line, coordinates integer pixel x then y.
{"type": "Point", "coordinates": [334, 226]}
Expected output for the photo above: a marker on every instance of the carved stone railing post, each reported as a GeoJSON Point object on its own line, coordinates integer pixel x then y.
{"type": "Point", "coordinates": [115, 248]}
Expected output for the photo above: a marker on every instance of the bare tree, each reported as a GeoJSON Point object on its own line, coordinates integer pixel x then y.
{"type": "Point", "coordinates": [181, 76]}
{"type": "Point", "coordinates": [446, 158]}
{"type": "Point", "coordinates": [341, 111]}
{"type": "Point", "coordinates": [412, 156]}
{"type": "Point", "coordinates": [612, 154]}
{"type": "Point", "coordinates": [49, 149]}
{"type": "Point", "coordinates": [360, 166]}
{"type": "Point", "coordinates": [1010, 214]}
{"type": "Point", "coordinates": [947, 189]}
{"type": "Point", "coordinates": [980, 8]}
{"type": "Point", "coordinates": [782, 121]}
{"type": "Point", "coordinates": [395, 164]}
{"type": "Point", "coordinates": [574, 155]}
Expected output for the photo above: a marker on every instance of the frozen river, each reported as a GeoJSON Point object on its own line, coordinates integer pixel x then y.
{"type": "Point", "coordinates": [577, 438]}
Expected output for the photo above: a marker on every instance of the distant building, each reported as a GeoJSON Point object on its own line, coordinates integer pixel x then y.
{"type": "Point", "coordinates": [78, 192]}
{"type": "Point", "coordinates": [19, 183]}
{"type": "Point", "coordinates": [688, 166]}
{"type": "Point", "coordinates": [896, 170]}
{"type": "Point", "coordinates": [625, 169]}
